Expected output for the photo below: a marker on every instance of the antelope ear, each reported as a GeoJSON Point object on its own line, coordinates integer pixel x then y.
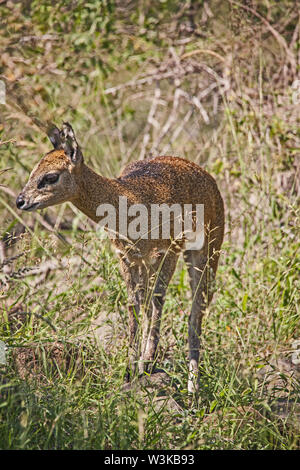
{"type": "Point", "coordinates": [70, 144]}
{"type": "Point", "coordinates": [54, 136]}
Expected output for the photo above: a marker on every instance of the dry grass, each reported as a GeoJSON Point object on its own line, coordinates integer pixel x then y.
{"type": "Point", "coordinates": [217, 83]}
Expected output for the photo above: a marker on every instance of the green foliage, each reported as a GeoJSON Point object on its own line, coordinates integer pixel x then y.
{"type": "Point", "coordinates": [71, 17]}
{"type": "Point", "coordinates": [128, 76]}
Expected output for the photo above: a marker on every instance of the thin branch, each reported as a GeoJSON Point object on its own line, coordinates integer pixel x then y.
{"type": "Point", "coordinates": [280, 39]}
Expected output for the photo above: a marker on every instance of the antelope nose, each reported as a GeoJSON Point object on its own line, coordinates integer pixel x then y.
{"type": "Point", "coordinates": [20, 201]}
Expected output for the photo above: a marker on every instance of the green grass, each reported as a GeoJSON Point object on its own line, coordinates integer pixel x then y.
{"type": "Point", "coordinates": [63, 311]}
{"type": "Point", "coordinates": [82, 404]}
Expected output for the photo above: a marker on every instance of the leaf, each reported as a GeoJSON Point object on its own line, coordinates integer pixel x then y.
{"type": "Point", "coordinates": [244, 302]}
{"type": "Point", "coordinates": [213, 405]}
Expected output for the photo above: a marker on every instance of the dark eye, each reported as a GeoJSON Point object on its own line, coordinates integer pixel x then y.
{"type": "Point", "coordinates": [50, 178]}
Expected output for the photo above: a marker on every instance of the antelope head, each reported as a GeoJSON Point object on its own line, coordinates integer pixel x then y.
{"type": "Point", "coordinates": [55, 178]}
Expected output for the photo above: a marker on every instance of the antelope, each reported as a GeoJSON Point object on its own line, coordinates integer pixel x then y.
{"type": "Point", "coordinates": [62, 175]}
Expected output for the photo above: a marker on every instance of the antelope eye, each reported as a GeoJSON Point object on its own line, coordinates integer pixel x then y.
{"type": "Point", "coordinates": [51, 178]}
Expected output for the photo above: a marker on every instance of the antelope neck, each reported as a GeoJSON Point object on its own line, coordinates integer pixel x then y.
{"type": "Point", "coordinates": [94, 190]}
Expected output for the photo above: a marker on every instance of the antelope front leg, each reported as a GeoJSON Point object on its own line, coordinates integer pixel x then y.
{"type": "Point", "coordinates": [134, 283]}
{"type": "Point", "coordinates": [162, 273]}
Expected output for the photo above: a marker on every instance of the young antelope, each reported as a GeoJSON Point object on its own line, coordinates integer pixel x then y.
{"type": "Point", "coordinates": [147, 262]}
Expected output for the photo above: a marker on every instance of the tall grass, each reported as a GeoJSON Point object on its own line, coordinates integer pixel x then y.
{"type": "Point", "coordinates": [129, 79]}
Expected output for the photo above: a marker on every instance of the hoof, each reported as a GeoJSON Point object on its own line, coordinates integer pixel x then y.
{"type": "Point", "coordinates": [146, 367]}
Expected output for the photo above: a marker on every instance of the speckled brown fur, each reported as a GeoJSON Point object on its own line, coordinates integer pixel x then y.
{"type": "Point", "coordinates": [146, 265]}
